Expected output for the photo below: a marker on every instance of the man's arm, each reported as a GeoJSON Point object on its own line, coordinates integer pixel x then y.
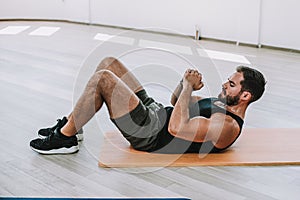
{"type": "Point", "coordinates": [177, 92]}
{"type": "Point", "coordinates": [181, 125]}
{"type": "Point", "coordinates": [198, 129]}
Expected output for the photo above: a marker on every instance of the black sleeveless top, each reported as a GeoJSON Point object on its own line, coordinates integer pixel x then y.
{"type": "Point", "coordinates": [167, 143]}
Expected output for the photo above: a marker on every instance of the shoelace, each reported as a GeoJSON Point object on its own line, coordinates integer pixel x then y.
{"type": "Point", "coordinates": [59, 122]}
{"type": "Point", "coordinates": [49, 138]}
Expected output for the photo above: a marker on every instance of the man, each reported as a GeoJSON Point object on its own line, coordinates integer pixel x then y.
{"type": "Point", "coordinates": [193, 125]}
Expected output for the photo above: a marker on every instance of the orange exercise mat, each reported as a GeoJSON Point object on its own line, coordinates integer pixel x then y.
{"type": "Point", "coordinates": [256, 146]}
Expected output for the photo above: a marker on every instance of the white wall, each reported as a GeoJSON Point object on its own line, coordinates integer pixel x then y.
{"type": "Point", "coordinates": [216, 18]}
{"type": "Point", "coordinates": [248, 20]}
{"type": "Point", "coordinates": [281, 23]}
{"type": "Point", "coordinates": [234, 20]}
{"type": "Point", "coordinates": [31, 9]}
{"type": "Point", "coordinates": [75, 10]}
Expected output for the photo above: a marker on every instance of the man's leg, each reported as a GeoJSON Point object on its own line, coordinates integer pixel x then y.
{"type": "Point", "coordinates": [113, 84]}
{"type": "Point", "coordinates": [116, 67]}
{"type": "Point", "coordinates": [104, 86]}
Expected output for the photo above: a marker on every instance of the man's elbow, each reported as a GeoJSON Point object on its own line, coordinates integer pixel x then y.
{"type": "Point", "coordinates": [173, 100]}
{"type": "Point", "coordinates": [173, 129]}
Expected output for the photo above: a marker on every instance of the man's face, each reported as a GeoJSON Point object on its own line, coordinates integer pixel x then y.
{"type": "Point", "coordinates": [231, 90]}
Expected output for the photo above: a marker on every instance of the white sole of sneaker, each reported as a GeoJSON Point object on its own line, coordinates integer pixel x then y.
{"type": "Point", "coordinates": [63, 150]}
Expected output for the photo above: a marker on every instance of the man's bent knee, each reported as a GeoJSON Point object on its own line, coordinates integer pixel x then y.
{"type": "Point", "coordinates": [102, 77]}
{"type": "Point", "coordinates": [104, 74]}
{"type": "Point", "coordinates": [108, 60]}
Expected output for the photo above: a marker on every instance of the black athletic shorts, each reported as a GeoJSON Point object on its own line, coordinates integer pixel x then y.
{"type": "Point", "coordinates": [142, 125]}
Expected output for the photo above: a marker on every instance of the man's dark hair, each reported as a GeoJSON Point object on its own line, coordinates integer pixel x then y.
{"type": "Point", "coordinates": [254, 82]}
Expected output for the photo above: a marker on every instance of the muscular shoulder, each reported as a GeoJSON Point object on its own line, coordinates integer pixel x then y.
{"type": "Point", "coordinates": [224, 130]}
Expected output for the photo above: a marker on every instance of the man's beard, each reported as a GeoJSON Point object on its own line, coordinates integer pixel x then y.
{"type": "Point", "coordinates": [229, 100]}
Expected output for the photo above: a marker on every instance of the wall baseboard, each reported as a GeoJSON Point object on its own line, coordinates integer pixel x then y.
{"type": "Point", "coordinates": [157, 32]}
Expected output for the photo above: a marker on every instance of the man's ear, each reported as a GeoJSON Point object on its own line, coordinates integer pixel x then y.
{"type": "Point", "coordinates": [246, 96]}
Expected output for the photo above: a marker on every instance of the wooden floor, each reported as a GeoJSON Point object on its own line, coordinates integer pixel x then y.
{"type": "Point", "coordinates": [41, 77]}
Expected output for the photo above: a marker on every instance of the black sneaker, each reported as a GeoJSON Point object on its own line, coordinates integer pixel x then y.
{"type": "Point", "coordinates": [45, 132]}
{"type": "Point", "coordinates": [55, 143]}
